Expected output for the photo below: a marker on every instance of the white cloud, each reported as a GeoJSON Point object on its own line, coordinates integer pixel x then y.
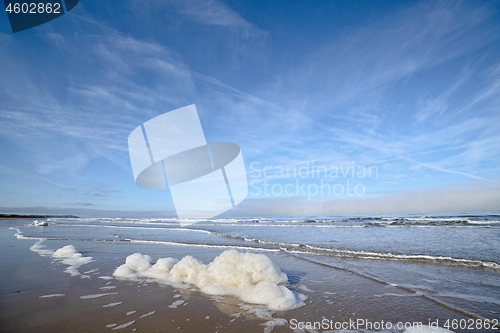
{"type": "Point", "coordinates": [480, 196]}
{"type": "Point", "coordinates": [211, 12]}
{"type": "Point", "coordinates": [207, 12]}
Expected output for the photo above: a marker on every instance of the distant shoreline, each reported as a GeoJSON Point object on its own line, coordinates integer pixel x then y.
{"type": "Point", "coordinates": [21, 216]}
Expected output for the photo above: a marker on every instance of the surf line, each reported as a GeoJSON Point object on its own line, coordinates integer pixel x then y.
{"type": "Point", "coordinates": [203, 245]}
{"type": "Point", "coordinates": [397, 286]}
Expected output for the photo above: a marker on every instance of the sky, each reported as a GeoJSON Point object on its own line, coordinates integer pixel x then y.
{"type": "Point", "coordinates": [339, 107]}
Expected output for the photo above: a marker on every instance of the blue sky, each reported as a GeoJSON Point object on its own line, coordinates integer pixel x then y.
{"type": "Point", "coordinates": [409, 89]}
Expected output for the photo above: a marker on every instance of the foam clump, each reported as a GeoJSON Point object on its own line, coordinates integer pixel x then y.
{"type": "Point", "coordinates": [40, 223]}
{"type": "Point", "coordinates": [66, 252]}
{"type": "Point", "coordinates": [39, 248]}
{"type": "Point", "coordinates": [427, 329]}
{"type": "Point", "coordinates": [69, 256]}
{"type": "Point", "coordinates": [253, 278]}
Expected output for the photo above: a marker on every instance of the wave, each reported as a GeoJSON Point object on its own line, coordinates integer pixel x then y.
{"type": "Point", "coordinates": [427, 259]}
{"type": "Point", "coordinates": [292, 248]}
{"type": "Point", "coordinates": [317, 250]}
{"type": "Point", "coordinates": [128, 227]}
{"type": "Point", "coordinates": [415, 293]}
{"type": "Point", "coordinates": [436, 222]}
{"type": "Point", "coordinates": [449, 221]}
{"type": "Point", "coordinates": [172, 226]}
{"type": "Point", "coordinates": [248, 248]}
{"type": "Point", "coordinates": [264, 245]}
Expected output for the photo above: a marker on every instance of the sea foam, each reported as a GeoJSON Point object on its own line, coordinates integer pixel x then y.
{"type": "Point", "coordinates": [69, 256]}
{"type": "Point", "coordinates": [253, 278]}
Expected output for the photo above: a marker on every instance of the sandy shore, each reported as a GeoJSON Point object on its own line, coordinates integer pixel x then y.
{"type": "Point", "coordinates": [37, 296]}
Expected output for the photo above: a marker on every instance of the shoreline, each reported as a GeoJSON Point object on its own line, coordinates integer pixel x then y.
{"type": "Point", "coordinates": [334, 295]}
{"type": "Point", "coordinates": [21, 216]}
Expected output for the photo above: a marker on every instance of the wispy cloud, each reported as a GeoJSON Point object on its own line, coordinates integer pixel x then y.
{"type": "Point", "coordinates": [427, 165]}
{"type": "Point", "coordinates": [374, 95]}
{"type": "Point", "coordinates": [479, 196]}
{"type": "Point", "coordinates": [211, 12]}
{"type": "Point", "coordinates": [204, 12]}
{"type": "Point", "coordinates": [84, 204]}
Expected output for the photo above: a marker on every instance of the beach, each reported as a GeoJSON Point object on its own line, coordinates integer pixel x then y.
{"type": "Point", "coordinates": [230, 166]}
{"type": "Point", "coordinates": [44, 294]}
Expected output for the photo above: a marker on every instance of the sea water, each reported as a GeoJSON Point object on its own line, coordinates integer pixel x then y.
{"type": "Point", "coordinates": [454, 259]}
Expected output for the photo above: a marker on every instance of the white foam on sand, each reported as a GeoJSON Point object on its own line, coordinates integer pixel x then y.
{"type": "Point", "coordinates": [52, 295]}
{"type": "Point", "coordinates": [175, 304]}
{"type": "Point", "coordinates": [427, 329]}
{"type": "Point", "coordinates": [69, 256]}
{"type": "Point", "coordinates": [97, 296]}
{"type": "Point", "coordinates": [270, 325]}
{"type": "Point", "coordinates": [304, 288]}
{"type": "Point", "coordinates": [260, 311]}
{"type": "Point", "coordinates": [107, 287]}
{"type": "Point", "coordinates": [39, 248]}
{"type": "Point", "coordinates": [124, 325]}
{"type": "Point", "coordinates": [217, 299]}
{"type": "Point", "coordinates": [253, 278]}
{"type": "Point", "coordinates": [112, 304]}
{"type": "Point", "coordinates": [147, 314]}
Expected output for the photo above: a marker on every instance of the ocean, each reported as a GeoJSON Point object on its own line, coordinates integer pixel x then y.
{"type": "Point", "coordinates": [453, 260]}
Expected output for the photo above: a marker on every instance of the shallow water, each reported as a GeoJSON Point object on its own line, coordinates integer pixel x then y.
{"type": "Point", "coordinates": [451, 259]}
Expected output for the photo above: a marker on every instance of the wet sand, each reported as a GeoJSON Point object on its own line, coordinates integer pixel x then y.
{"type": "Point", "coordinates": [335, 296]}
